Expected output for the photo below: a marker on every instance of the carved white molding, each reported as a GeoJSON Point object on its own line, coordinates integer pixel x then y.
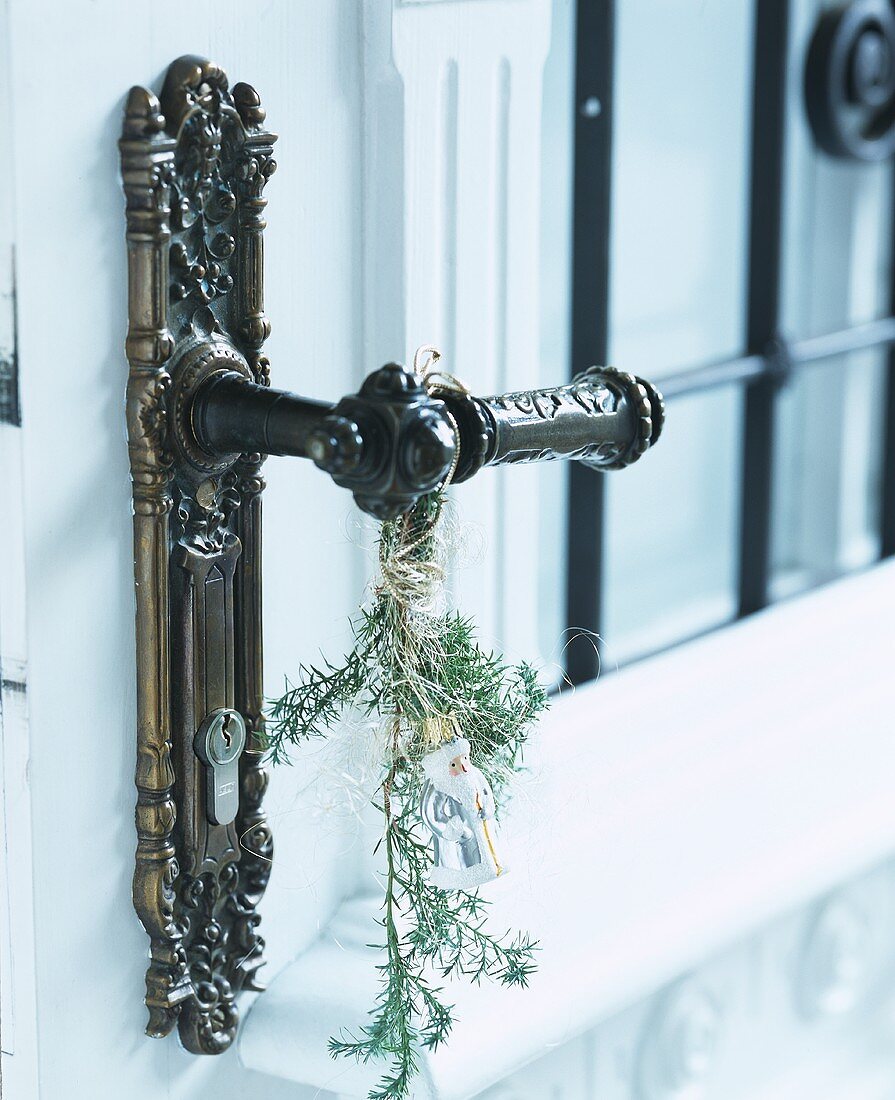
{"type": "Point", "coordinates": [747, 1025]}
{"type": "Point", "coordinates": [837, 958]}
{"type": "Point", "coordinates": [452, 163]}
{"type": "Point", "coordinates": [679, 1044]}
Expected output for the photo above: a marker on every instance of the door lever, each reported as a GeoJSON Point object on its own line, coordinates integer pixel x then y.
{"type": "Point", "coordinates": [394, 441]}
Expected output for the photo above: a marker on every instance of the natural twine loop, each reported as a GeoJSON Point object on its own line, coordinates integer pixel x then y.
{"type": "Point", "coordinates": [425, 360]}
{"type": "Point", "coordinates": [425, 363]}
{"type": "Point", "coordinates": [415, 580]}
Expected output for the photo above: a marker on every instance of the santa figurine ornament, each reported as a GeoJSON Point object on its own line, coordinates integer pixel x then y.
{"type": "Point", "coordinates": [457, 804]}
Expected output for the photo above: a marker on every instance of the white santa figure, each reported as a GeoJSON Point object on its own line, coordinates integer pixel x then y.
{"type": "Point", "coordinates": [458, 806]}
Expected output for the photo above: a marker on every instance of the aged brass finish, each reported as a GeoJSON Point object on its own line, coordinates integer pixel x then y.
{"type": "Point", "coordinates": [201, 418]}
{"type": "Point", "coordinates": [194, 168]}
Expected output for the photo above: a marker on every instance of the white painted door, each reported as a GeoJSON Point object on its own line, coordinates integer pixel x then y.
{"type": "Point", "coordinates": [423, 196]}
{"type": "Point", "coordinates": [405, 210]}
{"type": "Point", "coordinates": [18, 1012]}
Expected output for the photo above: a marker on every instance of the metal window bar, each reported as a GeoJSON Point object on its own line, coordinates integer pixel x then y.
{"type": "Point", "coordinates": [594, 63]}
{"type": "Point", "coordinates": [763, 305]}
{"type": "Point", "coordinates": [782, 358]}
{"type": "Point", "coordinates": [887, 518]}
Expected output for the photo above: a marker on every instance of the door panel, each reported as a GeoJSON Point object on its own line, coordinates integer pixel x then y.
{"type": "Point", "coordinates": [72, 65]}
{"type": "Point", "coordinates": [355, 217]}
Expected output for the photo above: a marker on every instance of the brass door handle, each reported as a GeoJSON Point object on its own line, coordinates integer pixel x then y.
{"type": "Point", "coordinates": [393, 441]}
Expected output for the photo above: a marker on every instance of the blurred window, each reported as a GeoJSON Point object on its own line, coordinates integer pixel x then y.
{"type": "Point", "coordinates": [749, 274]}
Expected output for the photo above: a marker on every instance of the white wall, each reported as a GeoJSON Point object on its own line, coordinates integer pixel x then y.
{"type": "Point", "coordinates": [72, 65]}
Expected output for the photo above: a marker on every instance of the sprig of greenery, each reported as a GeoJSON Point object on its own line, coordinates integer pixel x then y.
{"type": "Point", "coordinates": [413, 667]}
{"type": "Point", "coordinates": [316, 703]}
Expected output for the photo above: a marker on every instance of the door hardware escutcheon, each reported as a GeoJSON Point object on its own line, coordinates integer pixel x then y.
{"type": "Point", "coordinates": [201, 418]}
{"type": "Point", "coordinates": [194, 165]}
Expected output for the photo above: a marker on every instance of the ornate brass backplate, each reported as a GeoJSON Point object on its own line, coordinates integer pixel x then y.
{"type": "Point", "coordinates": [194, 165]}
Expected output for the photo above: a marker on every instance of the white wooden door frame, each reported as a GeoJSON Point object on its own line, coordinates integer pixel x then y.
{"type": "Point", "coordinates": [18, 1003]}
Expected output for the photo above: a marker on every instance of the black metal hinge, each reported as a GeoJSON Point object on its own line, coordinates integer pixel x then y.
{"type": "Point", "coordinates": [10, 407]}
{"type": "Point", "coordinates": [10, 412]}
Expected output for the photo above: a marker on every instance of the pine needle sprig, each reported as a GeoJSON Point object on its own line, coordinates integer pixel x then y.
{"type": "Point", "coordinates": [418, 667]}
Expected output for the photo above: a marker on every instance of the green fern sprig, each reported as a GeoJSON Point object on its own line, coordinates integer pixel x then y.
{"type": "Point", "coordinates": [428, 934]}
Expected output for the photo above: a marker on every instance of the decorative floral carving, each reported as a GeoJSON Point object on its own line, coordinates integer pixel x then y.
{"type": "Point", "coordinates": [208, 1023]}
{"type": "Point", "coordinates": [836, 961]}
{"type": "Point", "coordinates": [596, 400]}
{"type": "Point", "coordinates": [253, 172]}
{"type": "Point", "coordinates": [597, 392]}
{"type": "Point", "coordinates": [262, 370]}
{"type": "Point", "coordinates": [205, 515]}
{"type": "Point", "coordinates": [210, 158]}
{"type": "Point", "coordinates": [531, 402]}
{"type": "Point", "coordinates": [154, 415]}
{"type": "Point", "coordinates": [203, 275]}
{"type": "Point", "coordinates": [256, 842]}
{"type": "Point", "coordinates": [606, 454]}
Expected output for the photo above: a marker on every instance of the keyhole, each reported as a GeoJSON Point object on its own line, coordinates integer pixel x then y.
{"type": "Point", "coordinates": [225, 731]}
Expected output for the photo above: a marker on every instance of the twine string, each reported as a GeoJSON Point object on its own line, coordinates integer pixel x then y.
{"type": "Point", "coordinates": [416, 579]}
{"type": "Point", "coordinates": [412, 568]}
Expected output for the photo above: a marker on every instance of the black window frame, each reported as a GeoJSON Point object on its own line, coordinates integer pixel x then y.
{"type": "Point", "coordinates": [768, 359]}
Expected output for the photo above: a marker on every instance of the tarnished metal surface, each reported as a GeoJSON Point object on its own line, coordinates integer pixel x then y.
{"type": "Point", "coordinates": [194, 168]}
{"type": "Point", "coordinates": [394, 440]}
